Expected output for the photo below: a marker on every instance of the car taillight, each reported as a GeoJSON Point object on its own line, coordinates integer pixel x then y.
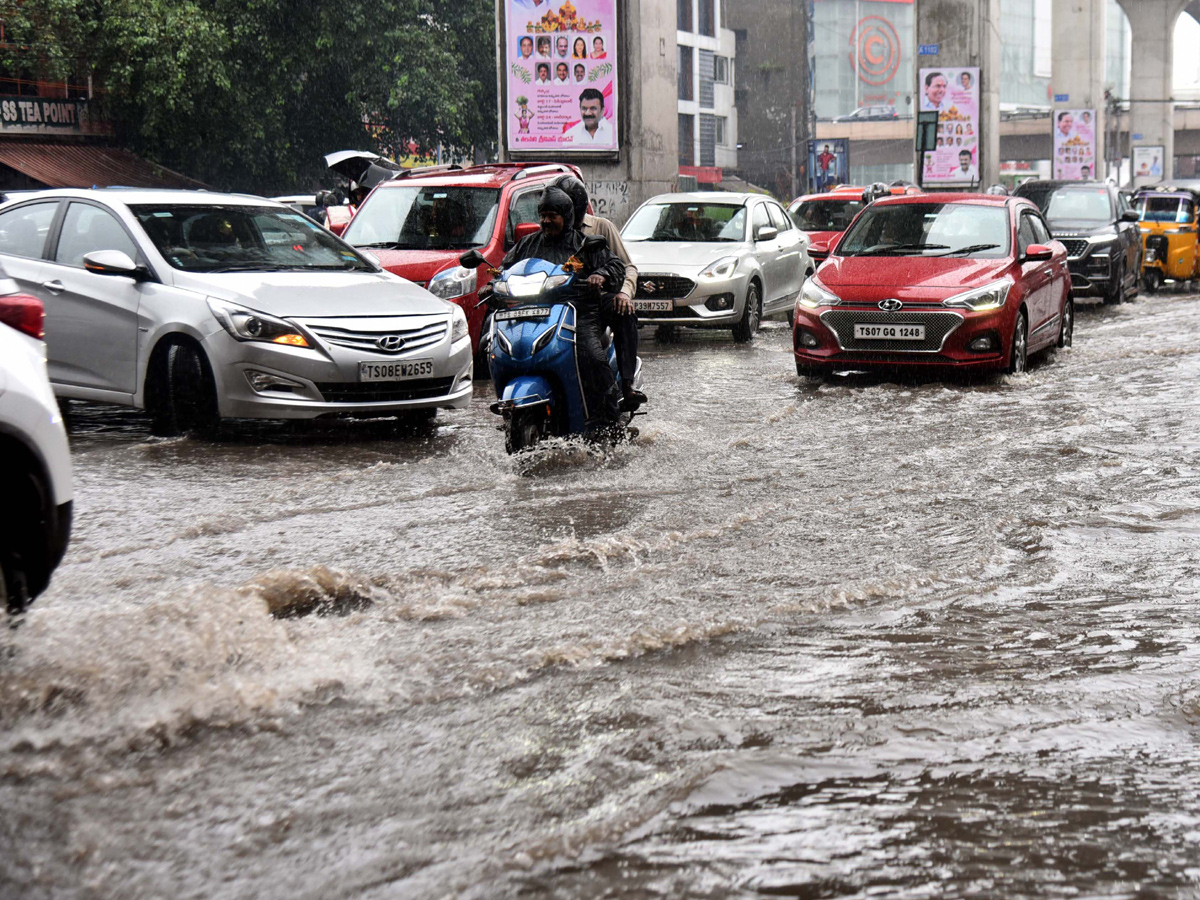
{"type": "Point", "coordinates": [24, 313]}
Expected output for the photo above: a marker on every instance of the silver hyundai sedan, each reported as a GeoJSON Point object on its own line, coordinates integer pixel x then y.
{"type": "Point", "coordinates": [715, 260]}
{"type": "Point", "coordinates": [199, 307]}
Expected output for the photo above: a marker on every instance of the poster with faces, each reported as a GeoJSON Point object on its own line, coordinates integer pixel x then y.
{"type": "Point", "coordinates": [954, 93]}
{"type": "Point", "coordinates": [1074, 144]}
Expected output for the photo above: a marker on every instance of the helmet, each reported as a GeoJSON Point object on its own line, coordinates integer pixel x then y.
{"type": "Point", "coordinates": [875, 191]}
{"type": "Point", "coordinates": [997, 189]}
{"type": "Point", "coordinates": [573, 188]}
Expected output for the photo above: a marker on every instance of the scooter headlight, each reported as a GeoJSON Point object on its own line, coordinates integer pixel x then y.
{"type": "Point", "coordinates": [526, 285]}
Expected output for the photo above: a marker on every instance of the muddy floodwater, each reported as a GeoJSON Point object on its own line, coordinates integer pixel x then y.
{"type": "Point", "coordinates": [852, 639]}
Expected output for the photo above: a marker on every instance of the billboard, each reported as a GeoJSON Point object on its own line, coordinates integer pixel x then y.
{"type": "Point", "coordinates": [828, 164]}
{"type": "Point", "coordinates": [1147, 161]}
{"type": "Point", "coordinates": [954, 94]}
{"type": "Point", "coordinates": [561, 76]}
{"type": "Point", "coordinates": [1075, 144]}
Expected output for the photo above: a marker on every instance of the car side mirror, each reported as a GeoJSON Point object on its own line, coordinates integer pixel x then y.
{"type": "Point", "coordinates": [113, 262]}
{"type": "Point", "coordinates": [818, 248]}
{"type": "Point", "coordinates": [594, 243]}
{"type": "Point", "coordinates": [767, 233]}
{"type": "Point", "coordinates": [472, 259]}
{"type": "Point", "coordinates": [525, 229]}
{"type": "Point", "coordinates": [1038, 253]}
{"type": "Point", "coordinates": [1130, 215]}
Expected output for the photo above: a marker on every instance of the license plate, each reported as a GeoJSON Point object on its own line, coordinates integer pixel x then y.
{"type": "Point", "coordinates": [653, 305]}
{"type": "Point", "coordinates": [523, 312]}
{"type": "Point", "coordinates": [395, 371]}
{"type": "Point", "coordinates": [888, 332]}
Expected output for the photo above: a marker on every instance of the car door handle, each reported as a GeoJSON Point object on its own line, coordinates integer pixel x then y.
{"type": "Point", "coordinates": [54, 287]}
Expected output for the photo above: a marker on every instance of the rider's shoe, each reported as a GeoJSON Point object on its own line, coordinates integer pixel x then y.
{"type": "Point", "coordinates": [631, 399]}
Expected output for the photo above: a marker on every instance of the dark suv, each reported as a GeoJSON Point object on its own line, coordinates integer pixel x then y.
{"type": "Point", "coordinates": [420, 222]}
{"type": "Point", "coordinates": [1098, 226]}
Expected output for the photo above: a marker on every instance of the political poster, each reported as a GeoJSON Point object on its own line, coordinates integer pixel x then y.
{"type": "Point", "coordinates": [1074, 144]}
{"type": "Point", "coordinates": [1148, 161]}
{"type": "Point", "coordinates": [828, 164]}
{"type": "Point", "coordinates": [954, 94]}
{"type": "Point", "coordinates": [561, 76]}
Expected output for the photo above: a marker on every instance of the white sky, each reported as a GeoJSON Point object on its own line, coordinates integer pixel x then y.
{"type": "Point", "coordinates": [1187, 59]}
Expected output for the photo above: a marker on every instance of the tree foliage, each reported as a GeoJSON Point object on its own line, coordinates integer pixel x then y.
{"type": "Point", "coordinates": [249, 94]}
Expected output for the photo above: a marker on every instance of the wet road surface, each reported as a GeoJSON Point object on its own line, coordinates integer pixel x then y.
{"type": "Point", "coordinates": [859, 638]}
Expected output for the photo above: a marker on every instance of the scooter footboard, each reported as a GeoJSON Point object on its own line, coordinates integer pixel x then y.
{"type": "Point", "coordinates": [525, 390]}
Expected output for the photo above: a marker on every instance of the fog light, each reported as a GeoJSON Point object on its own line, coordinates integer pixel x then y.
{"type": "Point", "coordinates": [265, 381]}
{"type": "Point", "coordinates": [808, 339]}
{"type": "Point", "coordinates": [719, 302]}
{"type": "Point", "coordinates": [982, 344]}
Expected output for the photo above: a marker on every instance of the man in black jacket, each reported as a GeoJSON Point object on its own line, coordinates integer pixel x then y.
{"type": "Point", "coordinates": [558, 241]}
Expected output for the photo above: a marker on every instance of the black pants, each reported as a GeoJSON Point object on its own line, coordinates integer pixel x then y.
{"type": "Point", "coordinates": [625, 336]}
{"type": "Point", "coordinates": [599, 385]}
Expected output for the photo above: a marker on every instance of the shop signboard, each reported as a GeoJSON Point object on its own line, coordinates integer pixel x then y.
{"type": "Point", "coordinates": [1074, 144]}
{"type": "Point", "coordinates": [48, 116]}
{"type": "Point", "coordinates": [561, 76]}
{"type": "Point", "coordinates": [954, 94]}
{"type": "Point", "coordinates": [828, 163]}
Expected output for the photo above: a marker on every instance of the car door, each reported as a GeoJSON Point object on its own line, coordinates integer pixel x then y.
{"type": "Point", "coordinates": [766, 252]}
{"type": "Point", "coordinates": [24, 233]}
{"type": "Point", "coordinates": [790, 260]}
{"type": "Point", "coordinates": [1060, 273]}
{"type": "Point", "coordinates": [1131, 238]}
{"type": "Point", "coordinates": [91, 320]}
{"type": "Point", "coordinates": [1037, 277]}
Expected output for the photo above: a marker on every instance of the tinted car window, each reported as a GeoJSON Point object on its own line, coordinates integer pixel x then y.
{"type": "Point", "coordinates": [88, 228]}
{"type": "Point", "coordinates": [23, 230]}
{"type": "Point", "coordinates": [524, 209]}
{"type": "Point", "coordinates": [1025, 233]}
{"type": "Point", "coordinates": [425, 217]}
{"type": "Point", "coordinates": [1087, 204]}
{"type": "Point", "coordinates": [1040, 231]}
{"type": "Point", "coordinates": [826, 215]}
{"type": "Point", "coordinates": [779, 218]}
{"type": "Point", "coordinates": [760, 220]}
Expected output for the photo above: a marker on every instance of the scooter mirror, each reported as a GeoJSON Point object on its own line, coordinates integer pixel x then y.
{"type": "Point", "coordinates": [472, 259]}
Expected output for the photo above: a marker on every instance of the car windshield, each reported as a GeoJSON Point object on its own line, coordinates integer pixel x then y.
{"type": "Point", "coordinates": [696, 222]}
{"type": "Point", "coordinates": [1153, 208]}
{"type": "Point", "coordinates": [929, 229]}
{"type": "Point", "coordinates": [208, 238]}
{"type": "Point", "coordinates": [1085, 204]}
{"type": "Point", "coordinates": [424, 217]}
{"type": "Point", "coordinates": [825, 215]}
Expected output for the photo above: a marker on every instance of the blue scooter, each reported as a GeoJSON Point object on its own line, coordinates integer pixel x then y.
{"type": "Point", "coordinates": [532, 353]}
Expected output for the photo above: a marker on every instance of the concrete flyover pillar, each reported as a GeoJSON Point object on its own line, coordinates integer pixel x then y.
{"type": "Point", "coordinates": [966, 33]}
{"type": "Point", "coordinates": [1151, 104]}
{"type": "Point", "coordinates": [1078, 52]}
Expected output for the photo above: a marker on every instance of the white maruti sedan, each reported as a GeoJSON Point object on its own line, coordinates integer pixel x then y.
{"type": "Point", "coordinates": [200, 307]}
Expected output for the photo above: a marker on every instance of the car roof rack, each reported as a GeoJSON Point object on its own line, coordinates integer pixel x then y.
{"type": "Point", "coordinates": [425, 170]}
{"type": "Point", "coordinates": [543, 167]}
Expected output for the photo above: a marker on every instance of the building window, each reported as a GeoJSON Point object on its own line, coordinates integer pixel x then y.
{"type": "Point", "coordinates": [708, 140]}
{"type": "Point", "coordinates": [722, 122]}
{"type": "Point", "coordinates": [687, 140]}
{"type": "Point", "coordinates": [705, 64]}
{"type": "Point", "coordinates": [721, 70]}
{"type": "Point", "coordinates": [708, 17]}
{"type": "Point", "coordinates": [686, 76]}
{"type": "Point", "coordinates": [685, 14]}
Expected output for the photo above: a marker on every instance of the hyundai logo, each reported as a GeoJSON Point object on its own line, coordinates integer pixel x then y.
{"type": "Point", "coordinates": [891, 305]}
{"type": "Point", "coordinates": [390, 343]}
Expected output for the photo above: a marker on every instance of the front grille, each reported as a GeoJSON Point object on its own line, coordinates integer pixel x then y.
{"type": "Point", "coordinates": [384, 392]}
{"type": "Point", "coordinates": [664, 287]}
{"type": "Point", "coordinates": [1074, 247]}
{"type": "Point", "coordinates": [413, 333]}
{"type": "Point", "coordinates": [937, 326]}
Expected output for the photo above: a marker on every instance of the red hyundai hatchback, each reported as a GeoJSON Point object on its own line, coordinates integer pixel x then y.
{"type": "Point", "coordinates": [965, 281]}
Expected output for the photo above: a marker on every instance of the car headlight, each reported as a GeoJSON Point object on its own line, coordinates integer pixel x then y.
{"type": "Point", "coordinates": [248, 325]}
{"type": "Point", "coordinates": [453, 282]}
{"type": "Point", "coordinates": [722, 268]}
{"type": "Point", "coordinates": [813, 294]}
{"type": "Point", "coordinates": [991, 296]}
{"type": "Point", "coordinates": [458, 328]}
{"type": "Point", "coordinates": [1101, 238]}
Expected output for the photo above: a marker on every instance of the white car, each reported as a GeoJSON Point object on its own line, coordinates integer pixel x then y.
{"type": "Point", "coordinates": [35, 462]}
{"type": "Point", "coordinates": [200, 307]}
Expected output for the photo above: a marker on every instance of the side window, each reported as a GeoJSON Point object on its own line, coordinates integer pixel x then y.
{"type": "Point", "coordinates": [1040, 232]}
{"type": "Point", "coordinates": [779, 218]}
{"type": "Point", "coordinates": [88, 228]}
{"type": "Point", "coordinates": [760, 219]}
{"type": "Point", "coordinates": [1025, 234]}
{"type": "Point", "coordinates": [23, 230]}
{"type": "Point", "coordinates": [524, 209]}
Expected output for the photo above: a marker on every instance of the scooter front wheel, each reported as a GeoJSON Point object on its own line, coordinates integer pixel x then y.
{"type": "Point", "coordinates": [524, 429]}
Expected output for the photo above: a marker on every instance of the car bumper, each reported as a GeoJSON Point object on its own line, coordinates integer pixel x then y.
{"type": "Point", "coordinates": [312, 383]}
{"type": "Point", "coordinates": [711, 303]}
{"type": "Point", "coordinates": [950, 336]}
{"type": "Point", "coordinates": [1091, 275]}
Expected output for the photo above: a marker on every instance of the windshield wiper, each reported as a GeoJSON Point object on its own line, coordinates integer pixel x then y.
{"type": "Point", "coordinates": [973, 248]}
{"type": "Point", "coordinates": [888, 249]}
{"type": "Point", "coordinates": [391, 245]}
{"type": "Point", "coordinates": [251, 266]}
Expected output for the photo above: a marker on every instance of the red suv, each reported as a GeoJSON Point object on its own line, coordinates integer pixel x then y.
{"type": "Point", "coordinates": [419, 223]}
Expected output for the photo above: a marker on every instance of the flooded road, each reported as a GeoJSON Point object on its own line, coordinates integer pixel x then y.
{"type": "Point", "coordinates": [847, 639]}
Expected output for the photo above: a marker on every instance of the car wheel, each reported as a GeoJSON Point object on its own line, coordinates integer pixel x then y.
{"type": "Point", "coordinates": [1116, 291]}
{"type": "Point", "coordinates": [1066, 332]}
{"type": "Point", "coordinates": [747, 326]}
{"type": "Point", "coordinates": [185, 398]}
{"type": "Point", "coordinates": [1152, 281]}
{"type": "Point", "coordinates": [1018, 356]}
{"type": "Point", "coordinates": [23, 568]}
{"type": "Point", "coordinates": [666, 334]}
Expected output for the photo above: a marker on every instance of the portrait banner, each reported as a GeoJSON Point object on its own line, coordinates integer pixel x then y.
{"type": "Point", "coordinates": [561, 76]}
{"type": "Point", "coordinates": [1147, 161]}
{"type": "Point", "coordinates": [1074, 144]}
{"type": "Point", "coordinates": [954, 94]}
{"type": "Point", "coordinates": [828, 164]}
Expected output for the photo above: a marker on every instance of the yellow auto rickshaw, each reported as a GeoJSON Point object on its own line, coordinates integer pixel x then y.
{"type": "Point", "coordinates": [1167, 217]}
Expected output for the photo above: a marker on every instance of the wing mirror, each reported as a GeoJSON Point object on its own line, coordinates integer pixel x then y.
{"type": "Point", "coordinates": [472, 259]}
{"type": "Point", "coordinates": [1038, 253]}
{"type": "Point", "coordinates": [767, 233]}
{"type": "Point", "coordinates": [818, 249]}
{"type": "Point", "coordinates": [113, 262]}
{"type": "Point", "coordinates": [525, 229]}
{"type": "Point", "coordinates": [1130, 215]}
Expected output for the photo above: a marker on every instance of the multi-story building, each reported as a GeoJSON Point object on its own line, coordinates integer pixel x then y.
{"type": "Point", "coordinates": [708, 120]}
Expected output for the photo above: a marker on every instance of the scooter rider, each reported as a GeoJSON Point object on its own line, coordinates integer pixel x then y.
{"type": "Point", "coordinates": [557, 242]}
{"type": "Point", "coordinates": [616, 312]}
